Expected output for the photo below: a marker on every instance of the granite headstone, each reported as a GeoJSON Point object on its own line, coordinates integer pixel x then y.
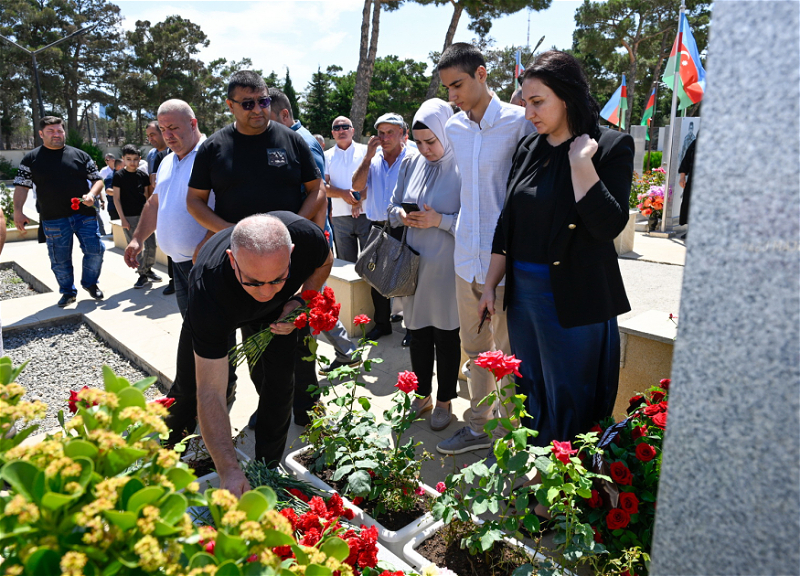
{"type": "Point", "coordinates": [729, 497]}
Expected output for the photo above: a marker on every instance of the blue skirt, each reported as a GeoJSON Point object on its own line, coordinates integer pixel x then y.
{"type": "Point", "coordinates": [569, 375]}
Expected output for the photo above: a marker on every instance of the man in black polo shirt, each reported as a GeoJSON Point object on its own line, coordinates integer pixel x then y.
{"type": "Point", "coordinates": [60, 174]}
{"type": "Point", "coordinates": [245, 277]}
{"type": "Point", "coordinates": [254, 166]}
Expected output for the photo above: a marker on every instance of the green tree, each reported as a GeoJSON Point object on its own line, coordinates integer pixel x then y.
{"type": "Point", "coordinates": [397, 86]}
{"type": "Point", "coordinates": [316, 103]}
{"type": "Point", "coordinates": [209, 105]}
{"type": "Point", "coordinates": [633, 37]}
{"type": "Point", "coordinates": [288, 89]}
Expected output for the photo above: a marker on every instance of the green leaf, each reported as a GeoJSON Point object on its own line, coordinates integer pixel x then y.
{"type": "Point", "coordinates": [531, 523]}
{"type": "Point", "coordinates": [131, 397]}
{"type": "Point", "coordinates": [317, 570]}
{"type": "Point", "coordinates": [43, 561]}
{"type": "Point", "coordinates": [518, 461]}
{"type": "Point", "coordinates": [61, 420]}
{"type": "Point", "coordinates": [119, 459]}
{"type": "Point", "coordinates": [145, 383]}
{"type": "Point", "coordinates": [364, 403]}
{"type": "Point", "coordinates": [337, 548]}
{"type": "Point", "coordinates": [254, 504]}
{"type": "Point", "coordinates": [180, 477]}
{"type": "Point", "coordinates": [112, 568]}
{"type": "Point", "coordinates": [79, 447]}
{"type": "Point", "coordinates": [520, 437]}
{"type": "Point", "coordinates": [165, 529]}
{"type": "Point", "coordinates": [359, 483]}
{"type": "Point", "coordinates": [131, 487]}
{"type": "Point", "coordinates": [173, 508]}
{"type": "Point", "coordinates": [20, 475]}
{"type": "Point", "coordinates": [228, 568]}
{"type": "Point", "coordinates": [300, 554]}
{"type": "Point", "coordinates": [480, 505]}
{"type": "Point", "coordinates": [274, 538]}
{"type": "Point", "coordinates": [552, 494]}
{"type": "Point", "coordinates": [230, 547]}
{"type": "Point", "coordinates": [490, 425]}
{"type": "Point", "coordinates": [269, 494]}
{"type": "Point", "coordinates": [201, 559]}
{"type": "Point", "coordinates": [54, 500]}
{"type": "Point", "coordinates": [488, 539]}
{"type": "Point", "coordinates": [112, 383]}
{"type": "Point", "coordinates": [145, 496]}
{"type": "Point", "coordinates": [524, 570]}
{"type": "Point", "coordinates": [342, 471]}
{"type": "Point", "coordinates": [122, 520]}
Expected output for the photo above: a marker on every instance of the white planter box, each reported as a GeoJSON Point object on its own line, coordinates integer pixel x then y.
{"type": "Point", "coordinates": [211, 480]}
{"type": "Point", "coordinates": [394, 540]}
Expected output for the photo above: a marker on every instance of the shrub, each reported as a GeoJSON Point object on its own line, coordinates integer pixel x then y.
{"type": "Point", "coordinates": [7, 204]}
{"type": "Point", "coordinates": [655, 160]}
{"type": "Point", "coordinates": [7, 171]}
{"type": "Point", "coordinates": [76, 141]}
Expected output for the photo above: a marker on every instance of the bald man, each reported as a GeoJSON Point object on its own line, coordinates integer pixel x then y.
{"type": "Point", "coordinates": [349, 231]}
{"type": "Point", "coordinates": [249, 277]}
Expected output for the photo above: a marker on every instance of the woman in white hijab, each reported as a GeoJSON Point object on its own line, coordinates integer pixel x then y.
{"type": "Point", "coordinates": [431, 181]}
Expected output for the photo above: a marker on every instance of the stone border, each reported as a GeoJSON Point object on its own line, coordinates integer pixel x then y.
{"type": "Point", "coordinates": [32, 280]}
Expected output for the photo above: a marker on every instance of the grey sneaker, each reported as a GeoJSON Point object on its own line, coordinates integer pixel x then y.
{"type": "Point", "coordinates": [440, 419]}
{"type": "Point", "coordinates": [464, 441]}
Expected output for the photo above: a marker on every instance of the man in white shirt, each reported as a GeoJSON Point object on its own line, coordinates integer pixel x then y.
{"type": "Point", "coordinates": [484, 136]}
{"type": "Point", "coordinates": [350, 231]}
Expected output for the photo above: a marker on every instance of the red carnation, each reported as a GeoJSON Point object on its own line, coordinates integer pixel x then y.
{"type": "Point", "coordinates": [291, 516]}
{"type": "Point", "coordinates": [308, 295]}
{"type": "Point", "coordinates": [299, 494]}
{"type": "Point", "coordinates": [499, 364]}
{"type": "Point", "coordinates": [76, 203]}
{"type": "Point", "coordinates": [645, 452]}
{"type": "Point", "coordinates": [407, 382]}
{"type": "Point", "coordinates": [327, 236]}
{"type": "Point", "coordinates": [595, 501]}
{"type": "Point", "coordinates": [629, 502]}
{"type": "Point", "coordinates": [361, 319]}
{"type": "Point", "coordinates": [73, 401]}
{"type": "Point", "coordinates": [284, 552]}
{"type": "Point", "coordinates": [621, 474]}
{"type": "Point", "coordinates": [301, 321]}
{"type": "Point", "coordinates": [660, 420]}
{"type": "Point", "coordinates": [165, 402]}
{"type": "Point", "coordinates": [665, 383]}
{"type": "Point", "coordinates": [638, 432]}
{"type": "Point", "coordinates": [617, 519]}
{"type": "Point", "coordinates": [357, 500]}
{"type": "Point", "coordinates": [563, 451]}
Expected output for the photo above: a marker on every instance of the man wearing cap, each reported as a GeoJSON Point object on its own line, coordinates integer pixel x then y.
{"type": "Point", "coordinates": [376, 176]}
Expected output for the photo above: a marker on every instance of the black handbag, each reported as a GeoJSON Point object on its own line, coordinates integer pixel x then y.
{"type": "Point", "coordinates": [387, 264]}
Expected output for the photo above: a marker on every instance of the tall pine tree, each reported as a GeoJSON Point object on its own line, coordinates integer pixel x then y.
{"type": "Point", "coordinates": [317, 109]}
{"type": "Point", "coordinates": [288, 89]}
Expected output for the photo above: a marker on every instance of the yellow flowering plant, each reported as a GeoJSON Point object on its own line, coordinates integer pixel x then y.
{"type": "Point", "coordinates": [103, 497]}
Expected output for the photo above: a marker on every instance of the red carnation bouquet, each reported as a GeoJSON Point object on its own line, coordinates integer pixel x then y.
{"type": "Point", "coordinates": [622, 511]}
{"type": "Point", "coordinates": [320, 312]}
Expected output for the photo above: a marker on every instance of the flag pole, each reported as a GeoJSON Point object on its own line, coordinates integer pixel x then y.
{"type": "Point", "coordinates": [672, 119]}
{"type": "Point", "coordinates": [650, 123]}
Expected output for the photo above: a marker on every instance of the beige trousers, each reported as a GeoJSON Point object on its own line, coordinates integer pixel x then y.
{"type": "Point", "coordinates": [493, 336]}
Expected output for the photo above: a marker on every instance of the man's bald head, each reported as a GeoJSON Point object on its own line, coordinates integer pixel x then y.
{"type": "Point", "coordinates": [516, 97]}
{"type": "Point", "coordinates": [261, 235]}
{"type": "Point", "coordinates": [175, 106]}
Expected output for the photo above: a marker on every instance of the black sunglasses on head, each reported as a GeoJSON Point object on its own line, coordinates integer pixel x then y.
{"type": "Point", "coordinates": [248, 105]}
{"type": "Point", "coordinates": [338, 127]}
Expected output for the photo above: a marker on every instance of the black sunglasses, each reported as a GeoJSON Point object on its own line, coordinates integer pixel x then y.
{"type": "Point", "coordinates": [259, 284]}
{"type": "Point", "coordinates": [338, 127]}
{"type": "Point", "coordinates": [248, 105]}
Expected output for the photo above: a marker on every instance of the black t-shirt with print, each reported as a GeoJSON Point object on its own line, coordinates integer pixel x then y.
{"type": "Point", "coordinates": [219, 304]}
{"type": "Point", "coordinates": [254, 174]}
{"type": "Point", "coordinates": [131, 191]}
{"type": "Point", "coordinates": [59, 176]}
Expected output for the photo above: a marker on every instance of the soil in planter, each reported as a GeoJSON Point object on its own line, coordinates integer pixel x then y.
{"type": "Point", "coordinates": [390, 519]}
{"type": "Point", "coordinates": [501, 560]}
{"type": "Point", "coordinates": [201, 467]}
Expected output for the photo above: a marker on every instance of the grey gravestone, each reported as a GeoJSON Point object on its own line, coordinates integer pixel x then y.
{"type": "Point", "coordinates": [729, 498]}
{"type": "Point", "coordinates": [640, 144]}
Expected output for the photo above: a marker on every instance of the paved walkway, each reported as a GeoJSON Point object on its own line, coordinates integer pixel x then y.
{"type": "Point", "coordinates": [144, 325]}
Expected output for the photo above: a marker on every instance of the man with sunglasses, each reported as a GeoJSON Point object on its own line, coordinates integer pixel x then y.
{"type": "Point", "coordinates": [254, 165]}
{"type": "Point", "coordinates": [247, 277]}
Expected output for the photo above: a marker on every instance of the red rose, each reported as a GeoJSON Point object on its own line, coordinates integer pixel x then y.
{"type": "Point", "coordinates": [441, 487]}
{"type": "Point", "coordinates": [73, 401]}
{"type": "Point", "coordinates": [595, 501]}
{"type": "Point", "coordinates": [638, 432]}
{"type": "Point", "coordinates": [499, 364]}
{"type": "Point", "coordinates": [563, 451]}
{"type": "Point", "coordinates": [597, 536]}
{"type": "Point", "coordinates": [636, 400]}
{"type": "Point", "coordinates": [407, 382]}
{"type": "Point", "coordinates": [621, 474]}
{"type": "Point", "coordinates": [361, 319]}
{"type": "Point", "coordinates": [645, 452]}
{"type": "Point", "coordinates": [301, 321]}
{"type": "Point", "coordinates": [655, 409]}
{"type": "Point", "coordinates": [665, 383]}
{"type": "Point", "coordinates": [210, 547]}
{"type": "Point", "coordinates": [617, 519]}
{"type": "Point", "coordinates": [660, 420]}
{"type": "Point", "coordinates": [629, 502]}
{"type": "Point", "coordinates": [596, 428]}
{"type": "Point", "coordinates": [657, 396]}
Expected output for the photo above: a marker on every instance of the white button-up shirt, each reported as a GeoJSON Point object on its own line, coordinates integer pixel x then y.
{"type": "Point", "coordinates": [381, 181]}
{"type": "Point", "coordinates": [177, 231]}
{"type": "Point", "coordinates": [340, 165]}
{"type": "Point", "coordinates": [483, 154]}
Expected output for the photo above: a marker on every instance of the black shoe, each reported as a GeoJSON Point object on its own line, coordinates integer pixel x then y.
{"type": "Point", "coordinates": [253, 419]}
{"type": "Point", "coordinates": [377, 332]}
{"type": "Point", "coordinates": [407, 339]}
{"type": "Point", "coordinates": [66, 299]}
{"type": "Point", "coordinates": [95, 292]}
{"type": "Point", "coordinates": [170, 289]}
{"type": "Point", "coordinates": [396, 318]}
{"type": "Point", "coordinates": [352, 363]}
{"type": "Point", "coordinates": [153, 276]}
{"type": "Point", "coordinates": [143, 282]}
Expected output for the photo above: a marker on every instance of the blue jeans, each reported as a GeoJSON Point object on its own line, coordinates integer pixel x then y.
{"type": "Point", "coordinates": [59, 246]}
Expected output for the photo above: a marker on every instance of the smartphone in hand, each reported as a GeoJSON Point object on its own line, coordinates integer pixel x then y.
{"type": "Point", "coordinates": [410, 207]}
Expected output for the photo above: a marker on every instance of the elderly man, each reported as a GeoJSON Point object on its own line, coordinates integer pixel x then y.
{"type": "Point", "coordinates": [351, 230]}
{"type": "Point", "coordinates": [254, 165]}
{"type": "Point", "coordinates": [62, 174]}
{"type": "Point", "coordinates": [249, 275]}
{"type": "Point", "coordinates": [377, 176]}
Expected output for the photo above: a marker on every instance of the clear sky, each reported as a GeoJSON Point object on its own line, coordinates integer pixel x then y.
{"type": "Point", "coordinates": [305, 34]}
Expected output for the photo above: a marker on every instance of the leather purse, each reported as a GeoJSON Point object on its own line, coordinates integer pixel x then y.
{"type": "Point", "coordinates": [387, 264]}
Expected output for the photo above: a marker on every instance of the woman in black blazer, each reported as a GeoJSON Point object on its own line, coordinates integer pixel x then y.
{"type": "Point", "coordinates": [567, 200]}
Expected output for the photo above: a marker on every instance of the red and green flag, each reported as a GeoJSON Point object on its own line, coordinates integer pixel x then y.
{"type": "Point", "coordinates": [649, 110]}
{"type": "Point", "coordinates": [685, 58]}
{"type": "Point", "coordinates": [614, 110]}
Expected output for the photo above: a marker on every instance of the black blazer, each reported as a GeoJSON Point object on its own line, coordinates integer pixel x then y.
{"type": "Point", "coordinates": [584, 272]}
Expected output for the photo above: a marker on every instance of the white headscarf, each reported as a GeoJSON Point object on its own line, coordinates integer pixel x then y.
{"type": "Point", "coordinates": [435, 113]}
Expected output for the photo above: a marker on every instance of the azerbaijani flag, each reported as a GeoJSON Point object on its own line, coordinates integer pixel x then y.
{"type": "Point", "coordinates": [691, 74]}
{"type": "Point", "coordinates": [517, 69]}
{"type": "Point", "coordinates": [648, 112]}
{"type": "Point", "coordinates": [614, 110]}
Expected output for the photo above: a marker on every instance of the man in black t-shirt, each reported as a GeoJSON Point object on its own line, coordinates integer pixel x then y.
{"type": "Point", "coordinates": [132, 189]}
{"type": "Point", "coordinates": [254, 166]}
{"type": "Point", "coordinates": [65, 203]}
{"type": "Point", "coordinates": [245, 277]}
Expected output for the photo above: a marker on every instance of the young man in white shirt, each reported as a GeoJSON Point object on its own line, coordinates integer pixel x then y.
{"type": "Point", "coordinates": [484, 136]}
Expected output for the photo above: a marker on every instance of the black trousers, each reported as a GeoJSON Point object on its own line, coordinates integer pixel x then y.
{"type": "Point", "coordinates": [273, 377]}
{"type": "Point", "coordinates": [445, 345]}
{"type": "Point", "coordinates": [383, 306]}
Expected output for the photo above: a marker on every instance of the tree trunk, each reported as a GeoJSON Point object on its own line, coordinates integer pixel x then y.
{"type": "Point", "coordinates": [458, 8]}
{"type": "Point", "coordinates": [35, 113]}
{"type": "Point", "coordinates": [366, 64]}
